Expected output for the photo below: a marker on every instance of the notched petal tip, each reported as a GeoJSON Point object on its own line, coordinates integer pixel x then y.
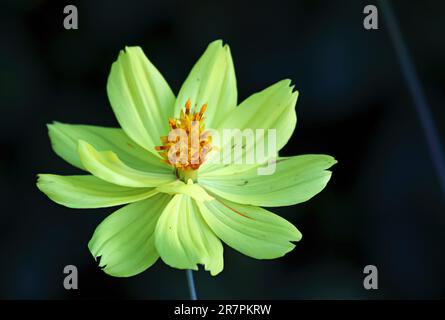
{"type": "Point", "coordinates": [98, 260]}
{"type": "Point", "coordinates": [53, 127]}
{"type": "Point", "coordinates": [298, 235]}
{"type": "Point", "coordinates": [221, 48]}
{"type": "Point", "coordinates": [217, 42]}
{"type": "Point", "coordinates": [43, 179]}
{"type": "Point", "coordinates": [286, 82]}
{"type": "Point", "coordinates": [221, 44]}
{"type": "Point", "coordinates": [56, 123]}
{"type": "Point", "coordinates": [330, 161]}
{"type": "Point", "coordinates": [130, 48]}
{"type": "Point", "coordinates": [214, 270]}
{"type": "Point", "coordinates": [130, 51]}
{"type": "Point", "coordinates": [40, 183]}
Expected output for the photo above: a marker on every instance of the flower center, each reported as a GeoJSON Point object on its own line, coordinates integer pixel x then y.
{"type": "Point", "coordinates": [187, 144]}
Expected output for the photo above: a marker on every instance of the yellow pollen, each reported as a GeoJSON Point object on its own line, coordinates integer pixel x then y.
{"type": "Point", "coordinates": [187, 143]}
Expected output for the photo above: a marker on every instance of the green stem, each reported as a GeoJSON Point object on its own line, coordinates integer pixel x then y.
{"type": "Point", "coordinates": [191, 284]}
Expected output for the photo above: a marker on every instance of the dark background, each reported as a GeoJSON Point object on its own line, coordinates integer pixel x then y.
{"type": "Point", "coordinates": [383, 206]}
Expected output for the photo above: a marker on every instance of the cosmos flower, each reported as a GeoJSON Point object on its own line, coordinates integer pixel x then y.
{"type": "Point", "coordinates": [178, 205]}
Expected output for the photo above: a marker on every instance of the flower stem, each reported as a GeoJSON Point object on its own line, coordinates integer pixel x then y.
{"type": "Point", "coordinates": [191, 284]}
{"type": "Point", "coordinates": [421, 105]}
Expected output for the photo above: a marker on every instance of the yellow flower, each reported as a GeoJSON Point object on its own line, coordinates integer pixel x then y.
{"type": "Point", "coordinates": [179, 205]}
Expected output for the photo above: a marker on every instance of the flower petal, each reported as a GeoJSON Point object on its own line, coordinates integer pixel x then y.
{"type": "Point", "coordinates": [65, 137]}
{"type": "Point", "coordinates": [140, 97]}
{"type": "Point", "coordinates": [107, 166]}
{"type": "Point", "coordinates": [125, 240]}
{"type": "Point", "coordinates": [88, 191]}
{"type": "Point", "coordinates": [272, 108]}
{"type": "Point", "coordinates": [253, 231]}
{"type": "Point", "coordinates": [212, 80]}
{"type": "Point", "coordinates": [183, 239]}
{"type": "Point", "coordinates": [295, 180]}
{"type": "Point", "coordinates": [190, 189]}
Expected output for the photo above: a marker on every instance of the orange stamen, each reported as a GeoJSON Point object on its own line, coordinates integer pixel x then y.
{"type": "Point", "coordinates": [188, 104]}
{"type": "Point", "coordinates": [188, 155]}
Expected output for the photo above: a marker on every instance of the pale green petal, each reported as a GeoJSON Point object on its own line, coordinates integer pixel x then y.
{"type": "Point", "coordinates": [253, 231]}
{"type": "Point", "coordinates": [296, 179]}
{"type": "Point", "coordinates": [219, 169]}
{"type": "Point", "coordinates": [107, 166]}
{"type": "Point", "coordinates": [125, 240]}
{"type": "Point", "coordinates": [212, 80]}
{"type": "Point", "coordinates": [88, 191]}
{"type": "Point", "coordinates": [272, 108]}
{"type": "Point", "coordinates": [140, 97]}
{"type": "Point", "coordinates": [183, 239]}
{"type": "Point", "coordinates": [190, 189]}
{"type": "Point", "coordinates": [65, 137]}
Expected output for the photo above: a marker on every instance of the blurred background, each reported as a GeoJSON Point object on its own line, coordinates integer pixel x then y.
{"type": "Point", "coordinates": [383, 206]}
